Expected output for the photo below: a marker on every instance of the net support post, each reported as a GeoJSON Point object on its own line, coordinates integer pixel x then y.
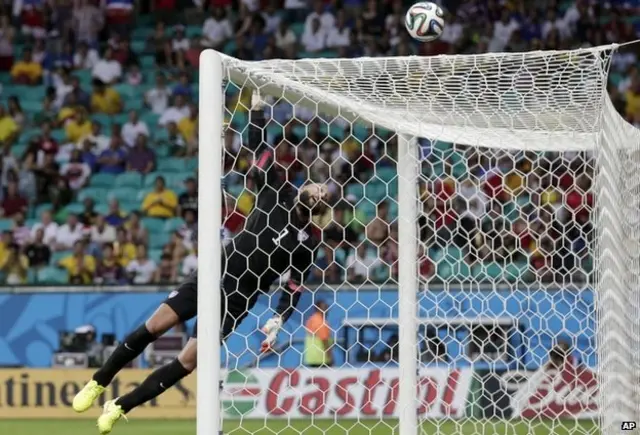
{"type": "Point", "coordinates": [209, 420]}
{"type": "Point", "coordinates": [408, 173]}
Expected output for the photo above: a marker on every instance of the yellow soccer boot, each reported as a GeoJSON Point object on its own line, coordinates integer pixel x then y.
{"type": "Point", "coordinates": [85, 398]}
{"type": "Point", "coordinates": [111, 413]}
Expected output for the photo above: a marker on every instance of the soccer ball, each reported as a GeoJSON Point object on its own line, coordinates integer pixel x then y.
{"type": "Point", "coordinates": [425, 21]}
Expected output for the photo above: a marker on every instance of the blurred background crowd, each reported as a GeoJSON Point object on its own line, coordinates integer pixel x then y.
{"type": "Point", "coordinates": [99, 140]}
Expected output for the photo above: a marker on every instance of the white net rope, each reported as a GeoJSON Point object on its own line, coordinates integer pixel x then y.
{"type": "Point", "coordinates": [528, 309]}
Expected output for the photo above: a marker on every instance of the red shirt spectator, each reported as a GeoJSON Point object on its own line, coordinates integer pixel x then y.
{"type": "Point", "coordinates": [48, 145]}
{"type": "Point", "coordinates": [13, 203]}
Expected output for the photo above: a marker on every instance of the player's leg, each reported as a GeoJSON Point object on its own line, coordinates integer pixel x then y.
{"type": "Point", "coordinates": [154, 385]}
{"type": "Point", "coordinates": [180, 306]}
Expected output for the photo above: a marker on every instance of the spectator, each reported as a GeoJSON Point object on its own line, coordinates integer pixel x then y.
{"type": "Point", "coordinates": [190, 262]}
{"type": "Point", "coordinates": [141, 158]}
{"type": "Point", "coordinates": [142, 269]}
{"type": "Point", "coordinates": [88, 21]}
{"type": "Point", "coordinates": [47, 114]}
{"type": "Point", "coordinates": [112, 160]}
{"type": "Point", "coordinates": [175, 113]}
{"type": "Point", "coordinates": [16, 112]}
{"type": "Point", "coordinates": [162, 202]}
{"type": "Point", "coordinates": [101, 232]}
{"type": "Point", "coordinates": [85, 57]}
{"type": "Point", "coordinates": [314, 37]}
{"type": "Point", "coordinates": [361, 263]}
{"type": "Point", "coordinates": [189, 229]}
{"type": "Point", "coordinates": [285, 37]}
{"type": "Point", "coordinates": [15, 266]}
{"type": "Point", "coordinates": [88, 215]}
{"type": "Point", "coordinates": [80, 97]}
{"type": "Point", "coordinates": [38, 251]}
{"type": "Point", "coordinates": [179, 46]}
{"type": "Point", "coordinates": [13, 203]}
{"type": "Point", "coordinates": [47, 177]}
{"type": "Point", "coordinates": [26, 71]}
{"type": "Point", "coordinates": [105, 99]}
{"type": "Point", "coordinates": [183, 87]}
{"type": "Point", "coordinates": [137, 233]}
{"type": "Point", "coordinates": [157, 99]}
{"type": "Point", "coordinates": [317, 342]}
{"type": "Point", "coordinates": [553, 22]}
{"type": "Point", "coordinates": [188, 128]}
{"type": "Point", "coordinates": [166, 272]}
{"type": "Point", "coordinates": [125, 251]}
{"type": "Point", "coordinates": [80, 266]}
{"type": "Point", "coordinates": [76, 172]}
{"type": "Point", "coordinates": [133, 128]}
{"type": "Point", "coordinates": [68, 234]}
{"type": "Point", "coordinates": [378, 229]}
{"type": "Point", "coordinates": [325, 18]}
{"type": "Point", "coordinates": [7, 34]}
{"type": "Point", "coordinates": [8, 127]}
{"type": "Point", "coordinates": [48, 226]}
{"type": "Point", "coordinates": [134, 76]}
{"type": "Point", "coordinates": [503, 29]}
{"type": "Point", "coordinates": [21, 232]}
{"type": "Point", "coordinates": [109, 271]}
{"type": "Point", "coordinates": [340, 35]}
{"type": "Point", "coordinates": [98, 142]}
{"type": "Point", "coordinates": [216, 29]}
{"type": "Point", "coordinates": [124, 54]}
{"type": "Point", "coordinates": [107, 70]}
{"type": "Point", "coordinates": [79, 126]}
{"type": "Point", "coordinates": [115, 217]}
{"type": "Point", "coordinates": [188, 200]}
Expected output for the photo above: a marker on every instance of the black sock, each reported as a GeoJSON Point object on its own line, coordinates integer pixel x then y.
{"type": "Point", "coordinates": [155, 384]}
{"type": "Point", "coordinates": [127, 351]}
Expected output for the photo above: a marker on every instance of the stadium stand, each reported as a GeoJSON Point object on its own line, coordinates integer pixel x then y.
{"type": "Point", "coordinates": [99, 117]}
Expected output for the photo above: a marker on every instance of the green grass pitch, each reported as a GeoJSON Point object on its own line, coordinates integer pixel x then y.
{"type": "Point", "coordinates": [299, 427]}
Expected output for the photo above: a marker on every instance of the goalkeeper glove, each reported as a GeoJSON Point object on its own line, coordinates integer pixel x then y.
{"type": "Point", "coordinates": [257, 103]}
{"type": "Point", "coordinates": [271, 329]}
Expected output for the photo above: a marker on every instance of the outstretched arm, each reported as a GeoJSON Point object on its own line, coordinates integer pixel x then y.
{"type": "Point", "coordinates": [263, 170]}
{"type": "Point", "coordinates": [291, 292]}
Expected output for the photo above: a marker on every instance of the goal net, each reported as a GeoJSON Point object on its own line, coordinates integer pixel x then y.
{"type": "Point", "coordinates": [479, 264]}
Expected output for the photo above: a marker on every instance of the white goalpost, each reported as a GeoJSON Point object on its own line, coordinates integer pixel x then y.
{"type": "Point", "coordinates": [526, 114]}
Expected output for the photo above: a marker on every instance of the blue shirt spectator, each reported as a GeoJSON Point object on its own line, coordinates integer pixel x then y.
{"type": "Point", "coordinates": [112, 160]}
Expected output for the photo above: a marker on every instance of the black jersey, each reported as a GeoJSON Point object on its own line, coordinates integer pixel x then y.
{"type": "Point", "coordinates": [275, 239]}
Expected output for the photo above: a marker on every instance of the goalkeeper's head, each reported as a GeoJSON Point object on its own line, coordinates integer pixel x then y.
{"type": "Point", "coordinates": [313, 198]}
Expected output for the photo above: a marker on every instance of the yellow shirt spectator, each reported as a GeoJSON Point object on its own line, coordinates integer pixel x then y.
{"type": "Point", "coordinates": [124, 252]}
{"type": "Point", "coordinates": [161, 202]}
{"type": "Point", "coordinates": [66, 113]}
{"type": "Point", "coordinates": [244, 203]}
{"type": "Point", "coordinates": [633, 103]}
{"type": "Point", "coordinates": [108, 101]}
{"type": "Point", "coordinates": [187, 128]}
{"type": "Point", "coordinates": [8, 127]}
{"type": "Point", "coordinates": [77, 129]}
{"type": "Point", "coordinates": [15, 269]}
{"type": "Point", "coordinates": [28, 69]}
{"type": "Point", "coordinates": [80, 268]}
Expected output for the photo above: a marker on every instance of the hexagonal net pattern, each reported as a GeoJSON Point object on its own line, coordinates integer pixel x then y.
{"type": "Point", "coordinates": [520, 205]}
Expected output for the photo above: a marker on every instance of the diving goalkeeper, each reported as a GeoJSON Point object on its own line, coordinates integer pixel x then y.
{"type": "Point", "coordinates": [277, 238]}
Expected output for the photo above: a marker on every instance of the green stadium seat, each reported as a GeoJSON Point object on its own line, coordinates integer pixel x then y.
{"type": "Point", "coordinates": [59, 255]}
{"type": "Point", "coordinates": [142, 194]}
{"type": "Point", "coordinates": [102, 180]}
{"type": "Point", "coordinates": [31, 106]}
{"type": "Point", "coordinates": [18, 150]}
{"type": "Point", "coordinates": [154, 225]}
{"type": "Point", "coordinates": [191, 164]}
{"type": "Point", "coordinates": [6, 224]}
{"type": "Point", "coordinates": [74, 207]}
{"type": "Point", "coordinates": [103, 119]}
{"type": "Point", "coordinates": [138, 46]}
{"type": "Point", "coordinates": [171, 225]}
{"type": "Point", "coordinates": [123, 194]}
{"type": "Point", "coordinates": [155, 255]}
{"type": "Point", "coordinates": [120, 118]}
{"type": "Point", "coordinates": [128, 179]}
{"type": "Point", "coordinates": [172, 165]}
{"type": "Point", "coordinates": [355, 189]}
{"type": "Point", "coordinates": [386, 174]}
{"type": "Point", "coordinates": [176, 181]}
{"type": "Point", "coordinates": [37, 211]}
{"type": "Point", "coordinates": [125, 90]}
{"type": "Point", "coordinates": [96, 193]}
{"type": "Point", "coordinates": [102, 208]}
{"type": "Point", "coordinates": [59, 135]}
{"type": "Point", "coordinates": [136, 104]}
{"type": "Point", "coordinates": [162, 151]}
{"type": "Point", "coordinates": [151, 119]}
{"type": "Point", "coordinates": [52, 275]}
{"type": "Point", "coordinates": [193, 31]}
{"type": "Point", "coordinates": [159, 240]}
{"type": "Point", "coordinates": [375, 191]}
{"type": "Point", "coordinates": [150, 179]}
{"type": "Point", "coordinates": [147, 62]}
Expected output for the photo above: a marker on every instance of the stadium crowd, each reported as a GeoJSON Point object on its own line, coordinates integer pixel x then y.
{"type": "Point", "coordinates": [99, 134]}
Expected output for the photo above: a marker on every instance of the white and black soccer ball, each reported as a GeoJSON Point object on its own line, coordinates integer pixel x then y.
{"type": "Point", "coordinates": [425, 21]}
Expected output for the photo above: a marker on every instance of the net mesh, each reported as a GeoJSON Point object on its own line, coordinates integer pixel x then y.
{"type": "Point", "coordinates": [527, 245]}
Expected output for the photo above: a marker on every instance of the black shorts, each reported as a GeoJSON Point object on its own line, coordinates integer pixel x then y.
{"type": "Point", "coordinates": [234, 305]}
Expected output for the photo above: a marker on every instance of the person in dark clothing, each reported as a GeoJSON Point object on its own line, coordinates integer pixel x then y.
{"type": "Point", "coordinates": [277, 239]}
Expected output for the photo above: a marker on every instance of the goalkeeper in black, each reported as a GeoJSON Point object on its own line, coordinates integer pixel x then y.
{"type": "Point", "coordinates": [277, 240]}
